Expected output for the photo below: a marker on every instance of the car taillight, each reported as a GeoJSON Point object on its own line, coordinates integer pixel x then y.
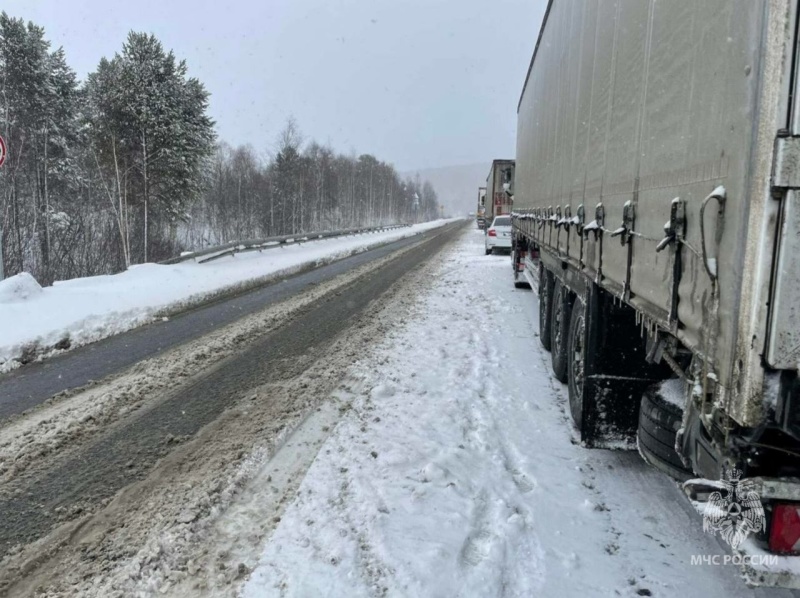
{"type": "Point", "coordinates": [784, 533]}
{"type": "Point", "coordinates": [492, 232]}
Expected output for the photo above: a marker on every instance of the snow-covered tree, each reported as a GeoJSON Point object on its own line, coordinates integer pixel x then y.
{"type": "Point", "coordinates": [124, 167]}
{"type": "Point", "coordinates": [150, 132]}
{"type": "Point", "coordinates": [38, 105]}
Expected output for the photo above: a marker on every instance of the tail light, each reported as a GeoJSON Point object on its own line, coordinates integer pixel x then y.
{"type": "Point", "coordinates": [492, 232]}
{"type": "Point", "coordinates": [784, 533]}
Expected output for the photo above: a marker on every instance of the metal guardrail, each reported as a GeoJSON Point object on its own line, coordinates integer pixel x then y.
{"type": "Point", "coordinates": [233, 247]}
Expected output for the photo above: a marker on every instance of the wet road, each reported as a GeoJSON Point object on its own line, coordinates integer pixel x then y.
{"type": "Point", "coordinates": [127, 452]}
{"type": "Point", "coordinates": [31, 385]}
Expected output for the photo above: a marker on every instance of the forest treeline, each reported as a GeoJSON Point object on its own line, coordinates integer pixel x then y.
{"type": "Point", "coordinates": [125, 167]}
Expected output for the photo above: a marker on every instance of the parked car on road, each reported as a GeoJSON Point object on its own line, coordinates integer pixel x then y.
{"type": "Point", "coordinates": [498, 236]}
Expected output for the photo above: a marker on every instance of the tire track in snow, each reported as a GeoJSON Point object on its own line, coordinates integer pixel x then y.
{"type": "Point", "coordinates": [480, 410]}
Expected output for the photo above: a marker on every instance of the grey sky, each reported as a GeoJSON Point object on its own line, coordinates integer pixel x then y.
{"type": "Point", "coordinates": [420, 83]}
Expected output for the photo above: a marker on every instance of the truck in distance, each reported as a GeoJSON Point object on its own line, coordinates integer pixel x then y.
{"type": "Point", "coordinates": [499, 189]}
{"type": "Point", "coordinates": [480, 219]}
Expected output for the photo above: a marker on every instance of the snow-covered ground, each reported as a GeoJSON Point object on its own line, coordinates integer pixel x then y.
{"type": "Point", "coordinates": [34, 320]}
{"type": "Point", "coordinates": [457, 473]}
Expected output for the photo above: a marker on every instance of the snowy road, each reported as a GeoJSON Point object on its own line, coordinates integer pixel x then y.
{"type": "Point", "coordinates": [28, 386]}
{"type": "Point", "coordinates": [91, 476]}
{"type": "Point", "coordinates": [37, 322]}
{"type": "Point", "coordinates": [421, 449]}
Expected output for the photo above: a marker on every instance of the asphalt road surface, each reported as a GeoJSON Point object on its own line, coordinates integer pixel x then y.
{"type": "Point", "coordinates": [127, 452]}
{"type": "Point", "coordinates": [32, 384]}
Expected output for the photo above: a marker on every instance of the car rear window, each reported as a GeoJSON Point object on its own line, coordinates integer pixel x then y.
{"type": "Point", "coordinates": [502, 221]}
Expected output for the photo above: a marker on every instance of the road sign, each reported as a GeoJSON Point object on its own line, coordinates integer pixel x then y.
{"type": "Point", "coordinates": [2, 151]}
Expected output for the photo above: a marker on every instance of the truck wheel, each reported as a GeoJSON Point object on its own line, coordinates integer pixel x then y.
{"type": "Point", "coordinates": [545, 303]}
{"type": "Point", "coordinates": [576, 360]}
{"type": "Point", "coordinates": [559, 330]}
{"type": "Point", "coordinates": [659, 422]}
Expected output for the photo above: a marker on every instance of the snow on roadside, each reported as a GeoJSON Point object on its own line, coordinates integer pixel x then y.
{"type": "Point", "coordinates": [457, 473]}
{"type": "Point", "coordinates": [21, 287]}
{"type": "Point", "coordinates": [34, 320]}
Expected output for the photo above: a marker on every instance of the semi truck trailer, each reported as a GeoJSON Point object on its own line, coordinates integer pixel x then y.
{"type": "Point", "coordinates": [656, 211]}
{"type": "Point", "coordinates": [499, 189]}
{"type": "Point", "coordinates": [481, 215]}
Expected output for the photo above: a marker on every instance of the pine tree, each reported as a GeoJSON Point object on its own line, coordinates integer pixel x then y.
{"type": "Point", "coordinates": [39, 95]}
{"type": "Point", "coordinates": [124, 167]}
{"type": "Point", "coordinates": [151, 120]}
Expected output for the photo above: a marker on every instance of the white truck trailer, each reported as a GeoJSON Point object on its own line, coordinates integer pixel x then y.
{"type": "Point", "coordinates": [499, 189]}
{"type": "Point", "coordinates": [657, 180]}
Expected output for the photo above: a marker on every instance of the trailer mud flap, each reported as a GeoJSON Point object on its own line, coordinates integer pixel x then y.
{"type": "Point", "coordinates": [616, 374]}
{"type": "Point", "coordinates": [611, 411]}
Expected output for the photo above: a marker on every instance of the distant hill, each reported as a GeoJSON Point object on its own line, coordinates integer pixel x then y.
{"type": "Point", "coordinates": [456, 186]}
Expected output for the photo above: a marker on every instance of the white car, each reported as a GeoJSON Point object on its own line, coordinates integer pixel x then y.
{"type": "Point", "coordinates": [498, 235]}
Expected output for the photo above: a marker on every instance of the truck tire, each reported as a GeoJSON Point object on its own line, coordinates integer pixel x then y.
{"type": "Point", "coordinates": [559, 330]}
{"type": "Point", "coordinates": [576, 360]}
{"type": "Point", "coordinates": [659, 422]}
{"type": "Point", "coordinates": [545, 304]}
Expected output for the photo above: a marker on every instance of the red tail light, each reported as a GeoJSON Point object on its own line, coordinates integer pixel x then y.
{"type": "Point", "coordinates": [492, 232]}
{"type": "Point", "coordinates": [784, 533]}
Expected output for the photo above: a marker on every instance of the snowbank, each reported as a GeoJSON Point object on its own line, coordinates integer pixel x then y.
{"type": "Point", "coordinates": [75, 312]}
{"type": "Point", "coordinates": [19, 288]}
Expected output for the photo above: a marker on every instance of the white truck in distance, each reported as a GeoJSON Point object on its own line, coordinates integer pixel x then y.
{"type": "Point", "coordinates": [498, 195]}
{"type": "Point", "coordinates": [657, 177]}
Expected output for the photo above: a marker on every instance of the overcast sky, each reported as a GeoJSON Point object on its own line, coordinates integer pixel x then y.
{"type": "Point", "coordinates": [419, 83]}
